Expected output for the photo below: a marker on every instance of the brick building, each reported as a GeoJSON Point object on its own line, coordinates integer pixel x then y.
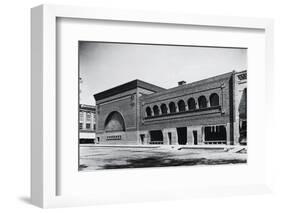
{"type": "Point", "coordinates": [87, 123]}
{"type": "Point", "coordinates": [210, 111]}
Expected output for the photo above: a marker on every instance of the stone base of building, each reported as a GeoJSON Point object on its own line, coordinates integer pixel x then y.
{"type": "Point", "coordinates": [128, 137]}
{"type": "Point", "coordinates": [188, 135]}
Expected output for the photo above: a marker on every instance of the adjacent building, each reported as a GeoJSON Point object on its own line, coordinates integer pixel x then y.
{"type": "Point", "coordinates": [206, 112]}
{"type": "Point", "coordinates": [87, 124]}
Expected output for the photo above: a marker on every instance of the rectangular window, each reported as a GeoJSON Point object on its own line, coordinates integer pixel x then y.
{"type": "Point", "coordinates": [88, 126]}
{"type": "Point", "coordinates": [81, 125]}
{"type": "Point", "coordinates": [89, 116]}
{"type": "Point", "coordinates": [81, 117]}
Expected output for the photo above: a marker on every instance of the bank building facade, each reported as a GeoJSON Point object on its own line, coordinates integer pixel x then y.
{"type": "Point", "coordinates": [211, 111]}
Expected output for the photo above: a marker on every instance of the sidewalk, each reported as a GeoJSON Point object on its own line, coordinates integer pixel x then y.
{"type": "Point", "coordinates": [213, 146]}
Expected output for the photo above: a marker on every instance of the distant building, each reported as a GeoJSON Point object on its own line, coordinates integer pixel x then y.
{"type": "Point", "coordinates": [206, 112]}
{"type": "Point", "coordinates": [87, 123]}
{"type": "Point", "coordinates": [241, 105]}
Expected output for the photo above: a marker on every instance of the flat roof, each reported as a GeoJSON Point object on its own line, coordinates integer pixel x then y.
{"type": "Point", "coordinates": [192, 84]}
{"type": "Point", "coordinates": [126, 87]}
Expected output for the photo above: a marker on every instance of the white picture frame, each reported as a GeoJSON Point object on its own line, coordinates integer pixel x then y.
{"type": "Point", "coordinates": [44, 149]}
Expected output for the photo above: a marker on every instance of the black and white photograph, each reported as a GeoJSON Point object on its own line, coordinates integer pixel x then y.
{"type": "Point", "coordinates": [160, 105]}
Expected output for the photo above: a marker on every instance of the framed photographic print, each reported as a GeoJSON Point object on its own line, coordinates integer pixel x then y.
{"type": "Point", "coordinates": [130, 106]}
{"type": "Point", "coordinates": [139, 124]}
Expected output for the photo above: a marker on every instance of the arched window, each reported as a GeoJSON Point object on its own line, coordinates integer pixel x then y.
{"type": "Point", "coordinates": [148, 112]}
{"type": "Point", "coordinates": [214, 100]}
{"type": "Point", "coordinates": [114, 122]}
{"type": "Point", "coordinates": [172, 107]}
{"type": "Point", "coordinates": [156, 110]}
{"type": "Point", "coordinates": [181, 106]}
{"type": "Point", "coordinates": [163, 109]}
{"type": "Point", "coordinates": [202, 101]}
{"type": "Point", "coordinates": [191, 104]}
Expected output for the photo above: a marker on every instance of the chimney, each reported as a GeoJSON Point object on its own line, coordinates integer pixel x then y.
{"type": "Point", "coordinates": [180, 83]}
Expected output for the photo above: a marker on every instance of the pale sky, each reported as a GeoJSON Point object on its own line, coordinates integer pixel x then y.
{"type": "Point", "coordinates": [106, 65]}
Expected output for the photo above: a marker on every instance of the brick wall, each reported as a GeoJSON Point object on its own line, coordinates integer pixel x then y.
{"type": "Point", "coordinates": [124, 103]}
{"type": "Point", "coordinates": [222, 85]}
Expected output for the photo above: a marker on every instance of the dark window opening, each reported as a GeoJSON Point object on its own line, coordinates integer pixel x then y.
{"type": "Point", "coordinates": [202, 101]}
{"type": "Point", "coordinates": [88, 126]}
{"type": "Point", "coordinates": [164, 109]}
{"type": "Point", "coordinates": [195, 138]}
{"type": "Point", "coordinates": [169, 138]}
{"type": "Point", "coordinates": [86, 140]}
{"type": "Point", "coordinates": [182, 135]}
{"type": "Point", "coordinates": [142, 136]}
{"type": "Point", "coordinates": [214, 100]}
{"type": "Point", "coordinates": [215, 133]}
{"type": "Point", "coordinates": [191, 104]}
{"type": "Point", "coordinates": [156, 110]}
{"type": "Point", "coordinates": [181, 106]}
{"type": "Point", "coordinates": [172, 107]}
{"type": "Point", "coordinates": [148, 111]}
{"type": "Point", "coordinates": [156, 136]}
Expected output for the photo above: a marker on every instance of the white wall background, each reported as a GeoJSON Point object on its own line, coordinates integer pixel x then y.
{"type": "Point", "coordinates": [15, 105]}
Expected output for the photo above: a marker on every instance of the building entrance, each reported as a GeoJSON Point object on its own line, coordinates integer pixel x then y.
{"type": "Point", "coordinates": [142, 138]}
{"type": "Point", "coordinates": [182, 135]}
{"type": "Point", "coordinates": [169, 138]}
{"type": "Point", "coordinates": [195, 138]}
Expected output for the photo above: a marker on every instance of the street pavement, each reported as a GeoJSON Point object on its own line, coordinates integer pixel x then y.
{"type": "Point", "coordinates": [97, 158]}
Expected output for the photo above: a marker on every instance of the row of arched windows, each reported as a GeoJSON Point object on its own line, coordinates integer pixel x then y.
{"type": "Point", "coordinates": [191, 104]}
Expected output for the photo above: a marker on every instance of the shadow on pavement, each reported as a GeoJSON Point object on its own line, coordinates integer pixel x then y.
{"type": "Point", "coordinates": [162, 162]}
